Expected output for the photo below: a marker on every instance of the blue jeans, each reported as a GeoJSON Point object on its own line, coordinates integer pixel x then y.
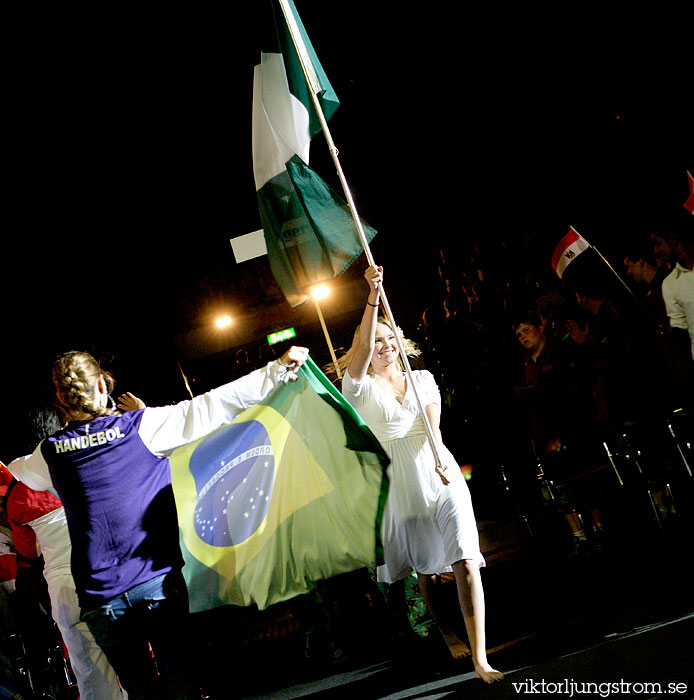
{"type": "Point", "coordinates": [154, 613]}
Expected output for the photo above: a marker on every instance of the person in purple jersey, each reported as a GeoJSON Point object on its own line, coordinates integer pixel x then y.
{"type": "Point", "coordinates": [111, 471]}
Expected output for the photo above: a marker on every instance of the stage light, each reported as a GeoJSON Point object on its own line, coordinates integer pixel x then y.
{"type": "Point", "coordinates": [320, 291]}
{"type": "Point", "coordinates": [223, 322]}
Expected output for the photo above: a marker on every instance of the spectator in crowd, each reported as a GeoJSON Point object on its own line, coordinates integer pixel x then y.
{"type": "Point", "coordinates": [39, 528]}
{"type": "Point", "coordinates": [643, 268]}
{"type": "Point", "coordinates": [8, 574]}
{"type": "Point", "coordinates": [663, 250]}
{"type": "Point", "coordinates": [668, 349]}
{"type": "Point", "coordinates": [602, 335]}
{"type": "Point", "coordinates": [678, 286]}
{"type": "Point", "coordinates": [561, 418]}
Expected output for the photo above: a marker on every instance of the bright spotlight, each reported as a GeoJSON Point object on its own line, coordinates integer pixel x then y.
{"type": "Point", "coordinates": [320, 291]}
{"type": "Point", "coordinates": [223, 322]}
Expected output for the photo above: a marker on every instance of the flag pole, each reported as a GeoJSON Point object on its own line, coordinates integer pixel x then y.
{"type": "Point", "coordinates": [314, 89]}
{"type": "Point", "coordinates": [185, 379]}
{"type": "Point", "coordinates": [614, 272]}
{"type": "Point", "coordinates": [327, 338]}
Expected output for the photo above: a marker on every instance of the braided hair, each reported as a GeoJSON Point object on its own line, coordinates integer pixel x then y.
{"type": "Point", "coordinates": [74, 375]}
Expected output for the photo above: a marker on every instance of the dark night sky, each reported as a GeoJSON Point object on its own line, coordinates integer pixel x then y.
{"type": "Point", "coordinates": [128, 154]}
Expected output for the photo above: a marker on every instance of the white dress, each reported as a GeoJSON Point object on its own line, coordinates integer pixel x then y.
{"type": "Point", "coordinates": [426, 526]}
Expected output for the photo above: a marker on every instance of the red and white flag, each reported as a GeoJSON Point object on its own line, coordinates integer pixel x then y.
{"type": "Point", "coordinates": [689, 204]}
{"type": "Point", "coordinates": [569, 248]}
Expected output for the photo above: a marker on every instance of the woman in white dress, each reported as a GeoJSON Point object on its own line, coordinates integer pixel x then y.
{"type": "Point", "coordinates": [428, 524]}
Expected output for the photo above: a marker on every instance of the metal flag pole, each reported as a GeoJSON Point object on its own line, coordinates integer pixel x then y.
{"type": "Point", "coordinates": [314, 89]}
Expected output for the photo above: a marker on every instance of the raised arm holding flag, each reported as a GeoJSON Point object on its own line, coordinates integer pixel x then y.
{"type": "Point", "coordinates": [335, 239]}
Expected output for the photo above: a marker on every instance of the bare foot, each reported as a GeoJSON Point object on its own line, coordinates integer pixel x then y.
{"type": "Point", "coordinates": [458, 648]}
{"type": "Point", "coordinates": [487, 673]}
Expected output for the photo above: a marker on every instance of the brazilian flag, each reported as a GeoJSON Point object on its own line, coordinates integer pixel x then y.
{"type": "Point", "coordinates": [291, 492]}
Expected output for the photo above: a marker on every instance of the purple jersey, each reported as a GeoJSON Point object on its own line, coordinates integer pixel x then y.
{"type": "Point", "coordinates": [119, 504]}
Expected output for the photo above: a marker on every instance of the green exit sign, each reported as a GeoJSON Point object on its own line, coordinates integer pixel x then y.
{"type": "Point", "coordinates": [279, 336]}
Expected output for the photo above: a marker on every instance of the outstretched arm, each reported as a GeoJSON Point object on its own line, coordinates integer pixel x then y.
{"type": "Point", "coordinates": [165, 428]}
{"type": "Point", "coordinates": [365, 343]}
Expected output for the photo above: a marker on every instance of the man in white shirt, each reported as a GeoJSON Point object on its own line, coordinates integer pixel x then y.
{"type": "Point", "coordinates": [678, 286]}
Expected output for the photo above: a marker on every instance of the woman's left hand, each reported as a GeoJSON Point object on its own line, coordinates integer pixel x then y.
{"type": "Point", "coordinates": [449, 473]}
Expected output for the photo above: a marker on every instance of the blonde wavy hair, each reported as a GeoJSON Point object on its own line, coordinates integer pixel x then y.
{"type": "Point", "coordinates": [74, 375]}
{"type": "Point", "coordinates": [411, 350]}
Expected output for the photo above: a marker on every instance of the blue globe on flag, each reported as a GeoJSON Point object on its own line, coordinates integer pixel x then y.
{"type": "Point", "coordinates": [234, 473]}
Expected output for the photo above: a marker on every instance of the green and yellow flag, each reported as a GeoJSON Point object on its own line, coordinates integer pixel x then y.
{"type": "Point", "coordinates": [289, 493]}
